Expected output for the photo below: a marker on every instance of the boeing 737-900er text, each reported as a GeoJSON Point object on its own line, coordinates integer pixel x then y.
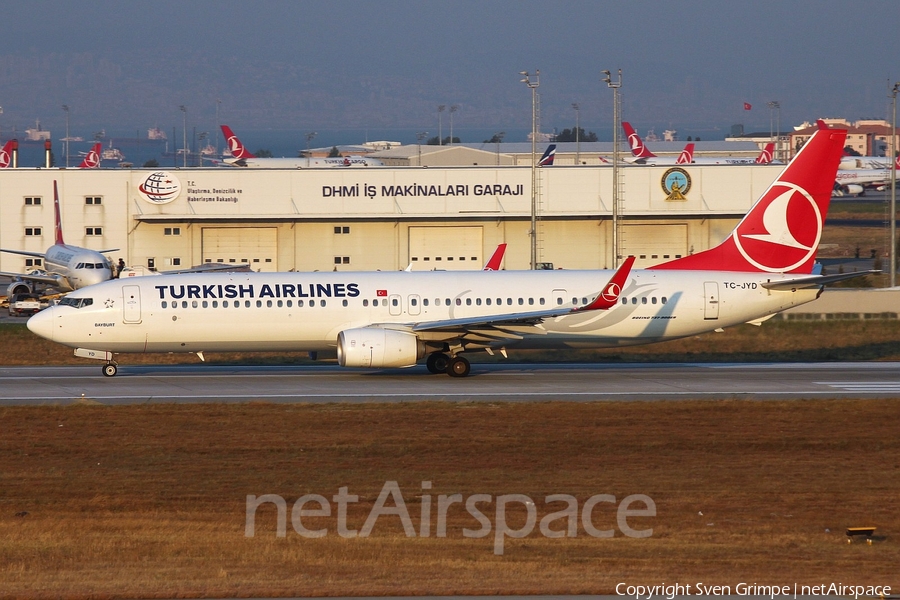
{"type": "Point", "coordinates": [241, 157]}
{"type": "Point", "coordinates": [65, 267]}
{"type": "Point", "coordinates": [395, 319]}
{"type": "Point", "coordinates": [641, 154]}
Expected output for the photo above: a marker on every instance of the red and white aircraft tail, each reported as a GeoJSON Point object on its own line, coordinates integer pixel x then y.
{"type": "Point", "coordinates": [237, 149]}
{"type": "Point", "coordinates": [58, 224]}
{"type": "Point", "coordinates": [638, 149]}
{"type": "Point", "coordinates": [92, 158]}
{"type": "Point", "coordinates": [781, 232]}
{"type": "Point", "coordinates": [767, 155]}
{"type": "Point", "coordinates": [6, 154]}
{"type": "Point", "coordinates": [687, 155]}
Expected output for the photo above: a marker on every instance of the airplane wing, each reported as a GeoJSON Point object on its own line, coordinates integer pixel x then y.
{"type": "Point", "coordinates": [213, 267]}
{"type": "Point", "coordinates": [47, 278]}
{"type": "Point", "coordinates": [24, 253]}
{"type": "Point", "coordinates": [604, 300]}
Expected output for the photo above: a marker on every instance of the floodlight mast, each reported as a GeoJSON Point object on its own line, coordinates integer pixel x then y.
{"type": "Point", "coordinates": [615, 85]}
{"type": "Point", "coordinates": [533, 85]}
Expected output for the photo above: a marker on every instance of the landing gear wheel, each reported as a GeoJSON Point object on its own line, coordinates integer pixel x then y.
{"type": "Point", "coordinates": [458, 367]}
{"type": "Point", "coordinates": [437, 362]}
{"type": "Point", "coordinates": [110, 370]}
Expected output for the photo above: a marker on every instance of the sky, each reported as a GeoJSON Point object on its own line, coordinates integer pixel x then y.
{"type": "Point", "coordinates": [387, 65]}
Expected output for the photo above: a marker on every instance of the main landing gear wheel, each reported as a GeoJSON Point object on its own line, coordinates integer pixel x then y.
{"type": "Point", "coordinates": [110, 369]}
{"type": "Point", "coordinates": [458, 367]}
{"type": "Point", "coordinates": [437, 362]}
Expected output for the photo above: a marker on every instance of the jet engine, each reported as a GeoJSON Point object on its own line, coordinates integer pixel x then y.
{"type": "Point", "coordinates": [852, 189]}
{"type": "Point", "coordinates": [19, 287]}
{"type": "Point", "coordinates": [377, 347]}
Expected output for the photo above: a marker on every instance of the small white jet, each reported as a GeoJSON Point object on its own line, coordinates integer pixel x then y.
{"type": "Point", "coordinates": [64, 266]}
{"type": "Point", "coordinates": [396, 319]}
{"type": "Point", "coordinates": [241, 157]}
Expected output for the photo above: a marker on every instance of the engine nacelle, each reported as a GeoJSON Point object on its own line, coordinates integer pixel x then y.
{"type": "Point", "coordinates": [19, 287]}
{"type": "Point", "coordinates": [853, 189]}
{"type": "Point", "coordinates": [376, 347]}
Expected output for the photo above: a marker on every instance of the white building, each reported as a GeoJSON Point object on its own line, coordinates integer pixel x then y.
{"type": "Point", "coordinates": [375, 218]}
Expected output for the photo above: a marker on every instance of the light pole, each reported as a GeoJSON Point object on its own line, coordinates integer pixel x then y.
{"type": "Point", "coordinates": [419, 137]}
{"type": "Point", "coordinates": [615, 85]}
{"type": "Point", "coordinates": [441, 108]}
{"type": "Point", "coordinates": [773, 106]}
{"type": "Point", "coordinates": [499, 137]}
{"type": "Point", "coordinates": [533, 86]}
{"type": "Point", "coordinates": [183, 109]}
{"type": "Point", "coordinates": [65, 108]}
{"type": "Point", "coordinates": [453, 109]}
{"type": "Point", "coordinates": [894, 187]}
{"type": "Point", "coordinates": [577, 134]}
{"type": "Point", "coordinates": [218, 126]}
{"type": "Point", "coordinates": [309, 138]}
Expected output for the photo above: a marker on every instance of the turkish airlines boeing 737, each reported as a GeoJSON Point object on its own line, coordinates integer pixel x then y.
{"type": "Point", "coordinates": [395, 319]}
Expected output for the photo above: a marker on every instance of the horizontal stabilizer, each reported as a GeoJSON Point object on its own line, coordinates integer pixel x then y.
{"type": "Point", "coordinates": [811, 282]}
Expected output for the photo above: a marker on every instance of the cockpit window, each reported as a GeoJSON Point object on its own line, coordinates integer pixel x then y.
{"type": "Point", "coordinates": [88, 265]}
{"type": "Point", "coordinates": [76, 302]}
{"type": "Point", "coordinates": [79, 266]}
{"type": "Point", "coordinates": [101, 266]}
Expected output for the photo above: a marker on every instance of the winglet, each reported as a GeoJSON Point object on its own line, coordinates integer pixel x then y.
{"type": "Point", "coordinates": [610, 294]}
{"type": "Point", "coordinates": [235, 146]}
{"type": "Point", "coordinates": [92, 159]}
{"type": "Point", "coordinates": [494, 263]}
{"type": "Point", "coordinates": [59, 235]}
{"type": "Point", "coordinates": [766, 155]}
{"type": "Point", "coordinates": [687, 155]}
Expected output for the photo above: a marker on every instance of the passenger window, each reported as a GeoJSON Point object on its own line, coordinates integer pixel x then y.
{"type": "Point", "coordinates": [268, 304]}
{"type": "Point", "coordinates": [259, 304]}
{"type": "Point", "coordinates": [394, 302]}
{"type": "Point", "coordinates": [344, 302]}
{"type": "Point", "coordinates": [663, 300]}
{"type": "Point", "coordinates": [447, 302]}
{"type": "Point", "coordinates": [184, 304]}
{"type": "Point", "coordinates": [458, 302]}
{"type": "Point", "coordinates": [559, 301]}
{"type": "Point", "coordinates": [412, 302]}
{"type": "Point", "coordinates": [215, 304]}
{"type": "Point", "coordinates": [280, 304]}
{"type": "Point", "coordinates": [477, 301]}
{"type": "Point", "coordinates": [542, 301]}
{"type": "Point", "coordinates": [644, 300]}
{"type": "Point", "coordinates": [299, 303]}
{"type": "Point", "coordinates": [634, 300]}
{"type": "Point", "coordinates": [531, 302]}
{"type": "Point", "coordinates": [164, 304]}
{"type": "Point", "coordinates": [624, 300]}
{"type": "Point", "coordinates": [468, 302]}
{"type": "Point", "coordinates": [365, 302]}
{"type": "Point", "coordinates": [290, 303]}
{"type": "Point", "coordinates": [509, 301]}
{"type": "Point", "coordinates": [205, 304]}
{"type": "Point", "coordinates": [425, 302]}
{"type": "Point", "coordinates": [653, 300]}
{"type": "Point", "coordinates": [521, 301]}
{"type": "Point", "coordinates": [246, 304]}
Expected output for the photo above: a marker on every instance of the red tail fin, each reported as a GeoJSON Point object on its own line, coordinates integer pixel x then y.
{"type": "Point", "coordinates": [781, 232]}
{"type": "Point", "coordinates": [6, 155]}
{"type": "Point", "coordinates": [638, 149]}
{"type": "Point", "coordinates": [235, 146]}
{"type": "Point", "coordinates": [767, 154]}
{"type": "Point", "coordinates": [59, 235]}
{"type": "Point", "coordinates": [494, 263]}
{"type": "Point", "coordinates": [687, 155]}
{"type": "Point", "coordinates": [92, 160]}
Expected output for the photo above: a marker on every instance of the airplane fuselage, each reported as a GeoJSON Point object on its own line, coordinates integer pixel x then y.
{"type": "Point", "coordinates": [308, 311]}
{"type": "Point", "coordinates": [77, 267]}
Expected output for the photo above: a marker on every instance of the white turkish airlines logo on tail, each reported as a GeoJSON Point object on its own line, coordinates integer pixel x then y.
{"type": "Point", "coordinates": [234, 145]}
{"type": "Point", "coordinates": [635, 141]}
{"type": "Point", "coordinates": [91, 160]}
{"type": "Point", "coordinates": [791, 220]}
{"type": "Point", "coordinates": [611, 292]}
{"type": "Point", "coordinates": [4, 159]}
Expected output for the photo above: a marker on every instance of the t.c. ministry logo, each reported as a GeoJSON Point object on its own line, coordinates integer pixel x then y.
{"type": "Point", "coordinates": [160, 187]}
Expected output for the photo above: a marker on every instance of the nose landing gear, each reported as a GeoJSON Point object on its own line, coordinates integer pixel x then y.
{"type": "Point", "coordinates": [110, 369]}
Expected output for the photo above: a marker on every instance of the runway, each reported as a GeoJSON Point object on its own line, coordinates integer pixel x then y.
{"type": "Point", "coordinates": [488, 383]}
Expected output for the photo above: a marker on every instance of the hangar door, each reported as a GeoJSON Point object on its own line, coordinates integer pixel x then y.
{"type": "Point", "coordinates": [654, 244]}
{"type": "Point", "coordinates": [256, 246]}
{"type": "Point", "coordinates": [446, 248]}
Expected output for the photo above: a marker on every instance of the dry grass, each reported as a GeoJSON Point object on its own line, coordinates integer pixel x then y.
{"type": "Point", "coordinates": [149, 501]}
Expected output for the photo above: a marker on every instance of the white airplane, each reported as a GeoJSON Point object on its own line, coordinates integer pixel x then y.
{"type": "Point", "coordinates": [65, 267]}
{"type": "Point", "coordinates": [642, 155]}
{"type": "Point", "coordinates": [395, 319]}
{"type": "Point", "coordinates": [856, 181]}
{"type": "Point", "coordinates": [241, 157]}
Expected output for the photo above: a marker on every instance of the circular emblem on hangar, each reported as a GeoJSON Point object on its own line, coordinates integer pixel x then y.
{"type": "Point", "coordinates": [676, 183]}
{"type": "Point", "coordinates": [160, 187]}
